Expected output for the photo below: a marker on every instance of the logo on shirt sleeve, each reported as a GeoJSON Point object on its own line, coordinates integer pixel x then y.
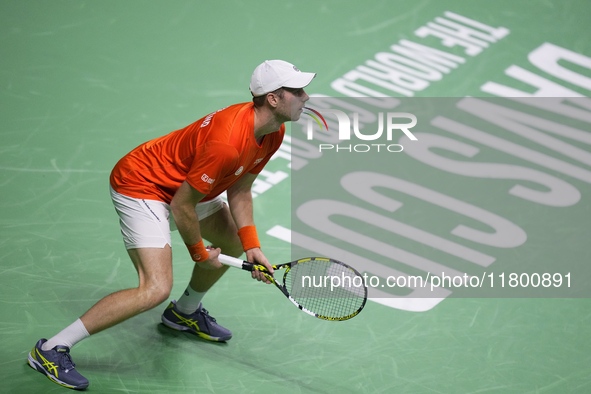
{"type": "Point", "coordinates": [205, 178]}
{"type": "Point", "coordinates": [208, 117]}
{"type": "Point", "coordinates": [239, 171]}
{"type": "Point", "coordinates": [257, 161]}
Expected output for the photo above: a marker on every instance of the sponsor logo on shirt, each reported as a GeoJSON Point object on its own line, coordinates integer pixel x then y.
{"type": "Point", "coordinates": [205, 178]}
{"type": "Point", "coordinates": [257, 161]}
{"type": "Point", "coordinates": [208, 117]}
{"type": "Point", "coordinates": [239, 171]}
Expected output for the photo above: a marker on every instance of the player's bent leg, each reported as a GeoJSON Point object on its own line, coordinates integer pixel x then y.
{"type": "Point", "coordinates": [220, 230]}
{"type": "Point", "coordinates": [154, 267]}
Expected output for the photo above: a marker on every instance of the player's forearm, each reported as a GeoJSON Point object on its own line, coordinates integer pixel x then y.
{"type": "Point", "coordinates": [182, 207]}
{"type": "Point", "coordinates": [187, 223]}
{"type": "Point", "coordinates": [240, 201]}
{"type": "Point", "coordinates": [241, 208]}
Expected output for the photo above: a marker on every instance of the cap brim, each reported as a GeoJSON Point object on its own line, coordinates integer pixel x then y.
{"type": "Point", "coordinates": [301, 80]}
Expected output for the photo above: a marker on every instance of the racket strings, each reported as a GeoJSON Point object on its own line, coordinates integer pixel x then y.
{"type": "Point", "coordinates": [326, 287]}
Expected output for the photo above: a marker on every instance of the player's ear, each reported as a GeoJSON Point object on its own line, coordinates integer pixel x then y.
{"type": "Point", "coordinates": [273, 99]}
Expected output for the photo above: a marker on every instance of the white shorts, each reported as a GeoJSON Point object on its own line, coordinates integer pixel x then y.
{"type": "Point", "coordinates": [148, 223]}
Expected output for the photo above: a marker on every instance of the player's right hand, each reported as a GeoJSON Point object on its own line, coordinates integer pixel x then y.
{"type": "Point", "coordinates": [212, 262]}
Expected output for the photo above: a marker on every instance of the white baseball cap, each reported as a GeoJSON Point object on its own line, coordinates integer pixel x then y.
{"type": "Point", "coordinates": [274, 74]}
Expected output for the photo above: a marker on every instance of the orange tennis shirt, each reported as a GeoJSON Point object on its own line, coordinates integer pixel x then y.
{"type": "Point", "coordinates": [210, 154]}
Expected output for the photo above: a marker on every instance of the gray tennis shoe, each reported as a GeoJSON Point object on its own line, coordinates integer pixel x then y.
{"type": "Point", "coordinates": [199, 323]}
{"type": "Point", "coordinates": [57, 365]}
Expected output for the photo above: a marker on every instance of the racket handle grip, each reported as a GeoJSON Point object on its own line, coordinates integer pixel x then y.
{"type": "Point", "coordinates": [234, 262]}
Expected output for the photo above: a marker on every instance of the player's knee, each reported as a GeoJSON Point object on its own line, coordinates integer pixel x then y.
{"type": "Point", "coordinates": [234, 250]}
{"type": "Point", "coordinates": [230, 247]}
{"type": "Point", "coordinates": [162, 295]}
{"type": "Point", "coordinates": [156, 295]}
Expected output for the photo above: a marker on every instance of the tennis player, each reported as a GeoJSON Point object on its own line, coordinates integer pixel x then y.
{"type": "Point", "coordinates": [175, 182]}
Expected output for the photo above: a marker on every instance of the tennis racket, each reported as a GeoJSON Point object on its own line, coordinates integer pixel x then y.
{"type": "Point", "coordinates": [325, 288]}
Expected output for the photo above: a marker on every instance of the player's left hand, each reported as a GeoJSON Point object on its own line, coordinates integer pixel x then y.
{"type": "Point", "coordinates": [256, 255]}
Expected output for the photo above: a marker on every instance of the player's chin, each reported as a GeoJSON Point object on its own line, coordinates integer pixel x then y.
{"type": "Point", "coordinates": [295, 116]}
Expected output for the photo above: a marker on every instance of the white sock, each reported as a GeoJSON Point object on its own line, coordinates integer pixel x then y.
{"type": "Point", "coordinates": [69, 336]}
{"type": "Point", "coordinates": [189, 301]}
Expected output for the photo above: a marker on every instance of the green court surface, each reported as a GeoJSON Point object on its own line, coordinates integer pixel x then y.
{"type": "Point", "coordinates": [84, 82]}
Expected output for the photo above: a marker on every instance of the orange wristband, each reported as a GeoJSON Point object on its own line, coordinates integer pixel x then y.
{"type": "Point", "coordinates": [198, 252]}
{"type": "Point", "coordinates": [248, 237]}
